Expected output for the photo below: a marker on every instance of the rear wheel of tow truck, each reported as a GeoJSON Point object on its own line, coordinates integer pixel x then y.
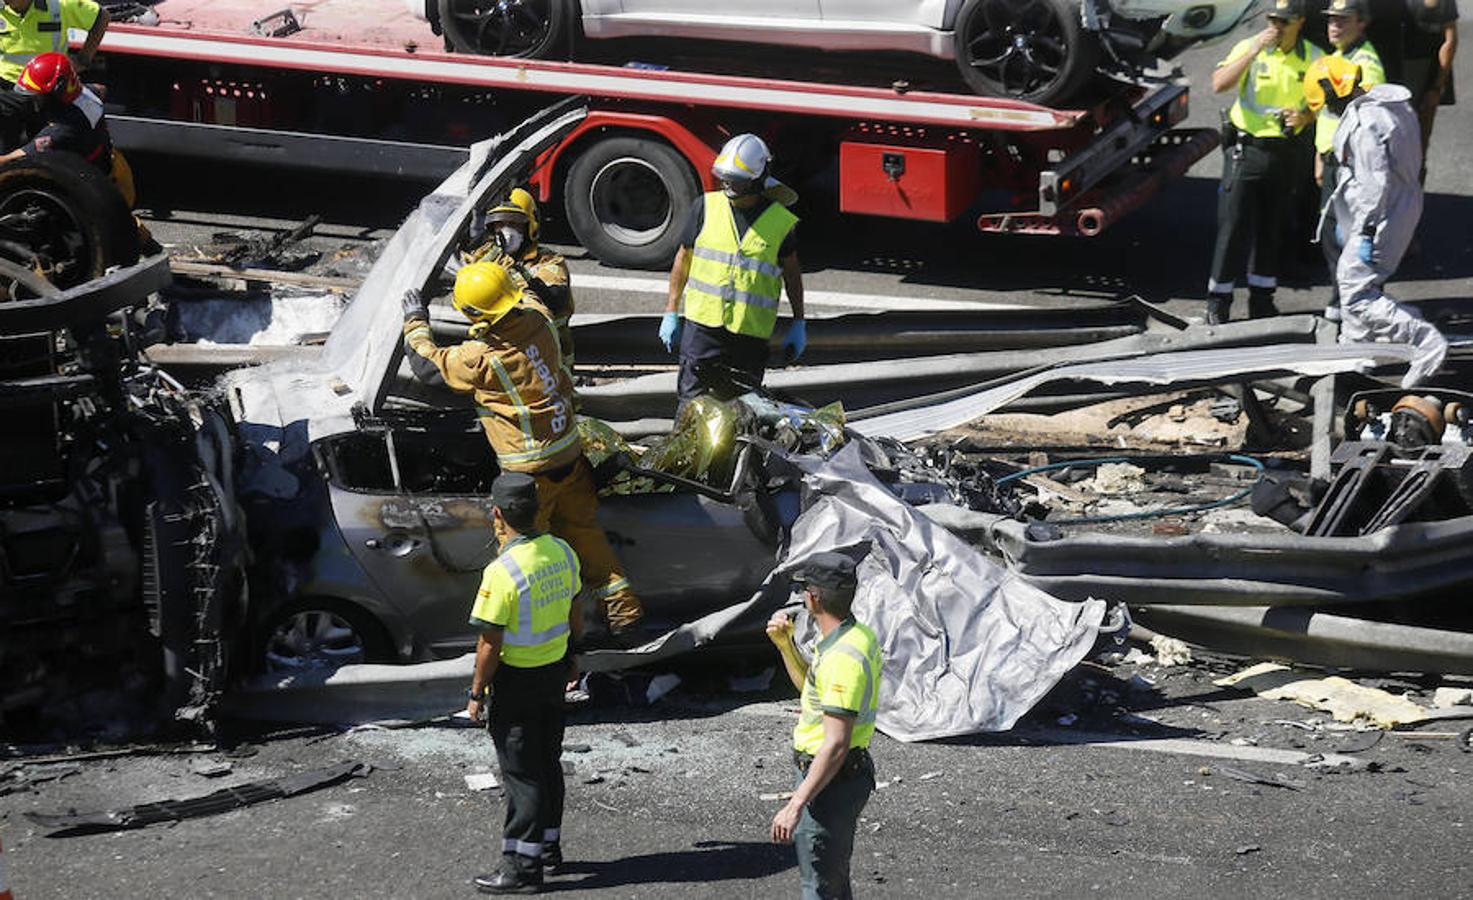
{"type": "Point", "coordinates": [1031, 50]}
{"type": "Point", "coordinates": [63, 220]}
{"type": "Point", "coordinates": [527, 29]}
{"type": "Point", "coordinates": [626, 198]}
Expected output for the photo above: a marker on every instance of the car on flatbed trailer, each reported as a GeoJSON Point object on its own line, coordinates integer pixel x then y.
{"type": "Point", "coordinates": [331, 92]}
{"type": "Point", "coordinates": [1042, 51]}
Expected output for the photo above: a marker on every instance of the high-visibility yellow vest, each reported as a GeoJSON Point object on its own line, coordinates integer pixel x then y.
{"type": "Point", "coordinates": [528, 590]}
{"type": "Point", "coordinates": [1371, 72]}
{"type": "Point", "coordinates": [735, 281]}
{"type": "Point", "coordinates": [1274, 81]}
{"type": "Point", "coordinates": [40, 29]}
{"type": "Point", "coordinates": [843, 679]}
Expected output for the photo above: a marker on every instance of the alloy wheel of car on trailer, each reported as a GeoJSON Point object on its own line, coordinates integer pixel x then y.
{"type": "Point", "coordinates": [625, 199]}
{"type": "Point", "coordinates": [519, 28]}
{"type": "Point", "coordinates": [314, 639]}
{"type": "Point", "coordinates": [1033, 50]}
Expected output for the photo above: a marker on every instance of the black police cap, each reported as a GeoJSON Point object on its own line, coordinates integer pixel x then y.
{"type": "Point", "coordinates": [514, 490]}
{"type": "Point", "coordinates": [827, 570]}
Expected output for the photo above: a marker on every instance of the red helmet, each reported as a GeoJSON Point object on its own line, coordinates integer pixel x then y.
{"type": "Point", "coordinates": [50, 74]}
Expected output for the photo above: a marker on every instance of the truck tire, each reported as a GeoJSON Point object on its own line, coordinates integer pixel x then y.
{"type": "Point", "coordinates": [626, 198]}
{"type": "Point", "coordinates": [62, 218]}
{"type": "Point", "coordinates": [523, 29]}
{"type": "Point", "coordinates": [1031, 50]}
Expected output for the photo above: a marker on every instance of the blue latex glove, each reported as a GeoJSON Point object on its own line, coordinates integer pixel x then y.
{"type": "Point", "coordinates": [1367, 250]}
{"type": "Point", "coordinates": [796, 341]}
{"type": "Point", "coordinates": [670, 330]}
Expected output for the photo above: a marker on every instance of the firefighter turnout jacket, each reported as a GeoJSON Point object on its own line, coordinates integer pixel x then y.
{"type": "Point", "coordinates": [843, 679]}
{"type": "Point", "coordinates": [735, 280]}
{"type": "Point", "coordinates": [528, 590]}
{"type": "Point", "coordinates": [42, 28]}
{"type": "Point", "coordinates": [552, 287]}
{"type": "Point", "coordinates": [523, 395]}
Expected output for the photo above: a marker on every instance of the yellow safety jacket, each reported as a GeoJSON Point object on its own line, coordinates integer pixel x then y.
{"type": "Point", "coordinates": [528, 590]}
{"type": "Point", "coordinates": [523, 394]}
{"type": "Point", "coordinates": [1273, 82]}
{"type": "Point", "coordinates": [40, 29]}
{"type": "Point", "coordinates": [735, 281]}
{"type": "Point", "coordinates": [1371, 73]}
{"type": "Point", "coordinates": [843, 679]}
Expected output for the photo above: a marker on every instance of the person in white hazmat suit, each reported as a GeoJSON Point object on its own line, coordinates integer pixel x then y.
{"type": "Point", "coordinates": [1376, 204]}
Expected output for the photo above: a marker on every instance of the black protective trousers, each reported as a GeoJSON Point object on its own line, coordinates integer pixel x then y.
{"type": "Point", "coordinates": [1254, 201]}
{"type": "Point", "coordinates": [699, 343]}
{"type": "Point", "coordinates": [526, 723]}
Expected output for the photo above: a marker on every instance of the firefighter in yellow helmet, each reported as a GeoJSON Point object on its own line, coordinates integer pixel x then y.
{"type": "Point", "coordinates": [524, 396]}
{"type": "Point", "coordinates": [511, 228]}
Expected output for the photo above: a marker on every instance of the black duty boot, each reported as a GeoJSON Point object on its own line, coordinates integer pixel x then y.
{"type": "Point", "coordinates": [1261, 303]}
{"type": "Point", "coordinates": [1218, 307]}
{"type": "Point", "coordinates": [552, 856]}
{"type": "Point", "coordinates": [506, 880]}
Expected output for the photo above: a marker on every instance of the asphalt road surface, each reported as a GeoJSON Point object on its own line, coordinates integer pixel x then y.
{"type": "Point", "coordinates": [675, 800]}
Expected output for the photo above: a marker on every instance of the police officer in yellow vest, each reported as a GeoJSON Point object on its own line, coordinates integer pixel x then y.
{"type": "Point", "coordinates": [29, 28]}
{"type": "Point", "coordinates": [526, 611]}
{"type": "Point", "coordinates": [1346, 22]}
{"type": "Point", "coordinates": [1261, 166]}
{"type": "Point", "coordinates": [840, 695]}
{"type": "Point", "coordinates": [738, 253]}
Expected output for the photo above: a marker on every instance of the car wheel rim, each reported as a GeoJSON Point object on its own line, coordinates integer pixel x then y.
{"type": "Point", "coordinates": [630, 200]}
{"type": "Point", "coordinates": [502, 27]}
{"type": "Point", "coordinates": [1019, 45]}
{"type": "Point", "coordinates": [313, 639]}
{"type": "Point", "coordinates": [39, 232]}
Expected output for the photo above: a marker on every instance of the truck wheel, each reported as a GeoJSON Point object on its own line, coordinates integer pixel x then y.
{"type": "Point", "coordinates": [1032, 50]}
{"type": "Point", "coordinates": [528, 29]}
{"type": "Point", "coordinates": [63, 219]}
{"type": "Point", "coordinates": [626, 198]}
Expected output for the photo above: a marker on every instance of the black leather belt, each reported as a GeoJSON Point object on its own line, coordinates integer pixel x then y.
{"type": "Point", "coordinates": [1267, 143]}
{"type": "Point", "coordinates": [856, 762]}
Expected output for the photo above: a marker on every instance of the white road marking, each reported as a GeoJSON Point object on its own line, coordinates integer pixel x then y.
{"type": "Point", "coordinates": [836, 299]}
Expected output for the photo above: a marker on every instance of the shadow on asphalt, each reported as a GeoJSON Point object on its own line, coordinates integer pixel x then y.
{"type": "Point", "coordinates": [705, 862]}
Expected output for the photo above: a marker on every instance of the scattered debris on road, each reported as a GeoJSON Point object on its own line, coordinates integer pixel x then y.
{"type": "Point", "coordinates": [73, 823]}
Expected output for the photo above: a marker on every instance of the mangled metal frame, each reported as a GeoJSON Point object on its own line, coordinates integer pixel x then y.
{"type": "Point", "coordinates": [150, 584]}
{"type": "Point", "coordinates": [1265, 593]}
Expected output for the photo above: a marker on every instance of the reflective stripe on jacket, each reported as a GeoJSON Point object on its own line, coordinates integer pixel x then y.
{"type": "Point", "coordinates": [1274, 81]}
{"type": "Point", "coordinates": [523, 394]}
{"type": "Point", "coordinates": [40, 29]}
{"type": "Point", "coordinates": [735, 280]}
{"type": "Point", "coordinates": [1372, 73]}
{"type": "Point", "coordinates": [843, 679]}
{"type": "Point", "coordinates": [528, 590]}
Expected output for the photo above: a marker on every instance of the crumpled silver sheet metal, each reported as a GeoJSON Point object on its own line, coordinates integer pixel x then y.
{"type": "Point", "coordinates": [1184, 367]}
{"type": "Point", "coordinates": [967, 645]}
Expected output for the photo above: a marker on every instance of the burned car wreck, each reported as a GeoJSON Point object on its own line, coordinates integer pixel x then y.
{"type": "Point", "coordinates": [121, 552]}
